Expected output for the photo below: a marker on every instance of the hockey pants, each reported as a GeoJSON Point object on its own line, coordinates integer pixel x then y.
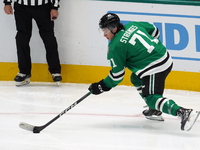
{"type": "Point", "coordinates": [151, 90]}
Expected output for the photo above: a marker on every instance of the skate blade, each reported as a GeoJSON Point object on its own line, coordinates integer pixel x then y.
{"type": "Point", "coordinates": [193, 118]}
{"type": "Point", "coordinates": [25, 82]}
{"type": "Point", "coordinates": [58, 83]}
{"type": "Point", "coordinates": [155, 118]}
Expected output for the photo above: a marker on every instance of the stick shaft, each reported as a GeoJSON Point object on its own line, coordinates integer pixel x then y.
{"type": "Point", "coordinates": [40, 128]}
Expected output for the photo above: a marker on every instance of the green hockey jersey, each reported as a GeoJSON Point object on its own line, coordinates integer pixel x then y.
{"type": "Point", "coordinates": [138, 48]}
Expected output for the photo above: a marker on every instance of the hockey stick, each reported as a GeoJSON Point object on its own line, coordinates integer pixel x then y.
{"type": "Point", "coordinates": [37, 129]}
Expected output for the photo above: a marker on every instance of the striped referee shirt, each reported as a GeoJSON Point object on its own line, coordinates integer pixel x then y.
{"type": "Point", "coordinates": [55, 3]}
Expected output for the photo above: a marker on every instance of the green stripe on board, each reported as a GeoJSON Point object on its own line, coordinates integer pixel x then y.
{"type": "Point", "coordinates": [174, 2]}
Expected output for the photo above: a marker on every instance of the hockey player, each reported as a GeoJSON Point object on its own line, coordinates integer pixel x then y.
{"type": "Point", "coordinates": [137, 47]}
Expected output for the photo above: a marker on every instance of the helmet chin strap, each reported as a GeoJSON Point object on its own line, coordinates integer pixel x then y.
{"type": "Point", "coordinates": [113, 32]}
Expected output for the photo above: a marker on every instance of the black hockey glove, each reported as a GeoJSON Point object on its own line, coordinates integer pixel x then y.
{"type": "Point", "coordinates": [98, 88]}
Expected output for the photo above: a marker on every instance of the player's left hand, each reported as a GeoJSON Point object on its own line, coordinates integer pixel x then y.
{"type": "Point", "coordinates": [98, 88]}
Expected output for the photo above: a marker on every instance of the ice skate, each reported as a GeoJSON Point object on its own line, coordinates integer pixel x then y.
{"type": "Point", "coordinates": [22, 79]}
{"type": "Point", "coordinates": [57, 78]}
{"type": "Point", "coordinates": [188, 117]}
{"type": "Point", "coordinates": [152, 114]}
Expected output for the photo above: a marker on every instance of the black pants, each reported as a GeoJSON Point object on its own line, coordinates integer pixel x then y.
{"type": "Point", "coordinates": [23, 17]}
{"type": "Point", "coordinates": [155, 83]}
{"type": "Point", "coordinates": [152, 84]}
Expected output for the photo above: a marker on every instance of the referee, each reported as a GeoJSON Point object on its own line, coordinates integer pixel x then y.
{"type": "Point", "coordinates": [44, 12]}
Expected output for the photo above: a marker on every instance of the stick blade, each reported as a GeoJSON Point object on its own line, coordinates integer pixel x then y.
{"type": "Point", "coordinates": [26, 126]}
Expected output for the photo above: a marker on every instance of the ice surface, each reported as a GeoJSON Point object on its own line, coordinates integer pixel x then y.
{"type": "Point", "coordinates": [110, 121]}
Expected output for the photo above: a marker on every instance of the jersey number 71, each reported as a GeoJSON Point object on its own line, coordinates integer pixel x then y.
{"type": "Point", "coordinates": [138, 35]}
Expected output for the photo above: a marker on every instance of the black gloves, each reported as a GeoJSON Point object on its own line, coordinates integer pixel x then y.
{"type": "Point", "coordinates": [98, 88]}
